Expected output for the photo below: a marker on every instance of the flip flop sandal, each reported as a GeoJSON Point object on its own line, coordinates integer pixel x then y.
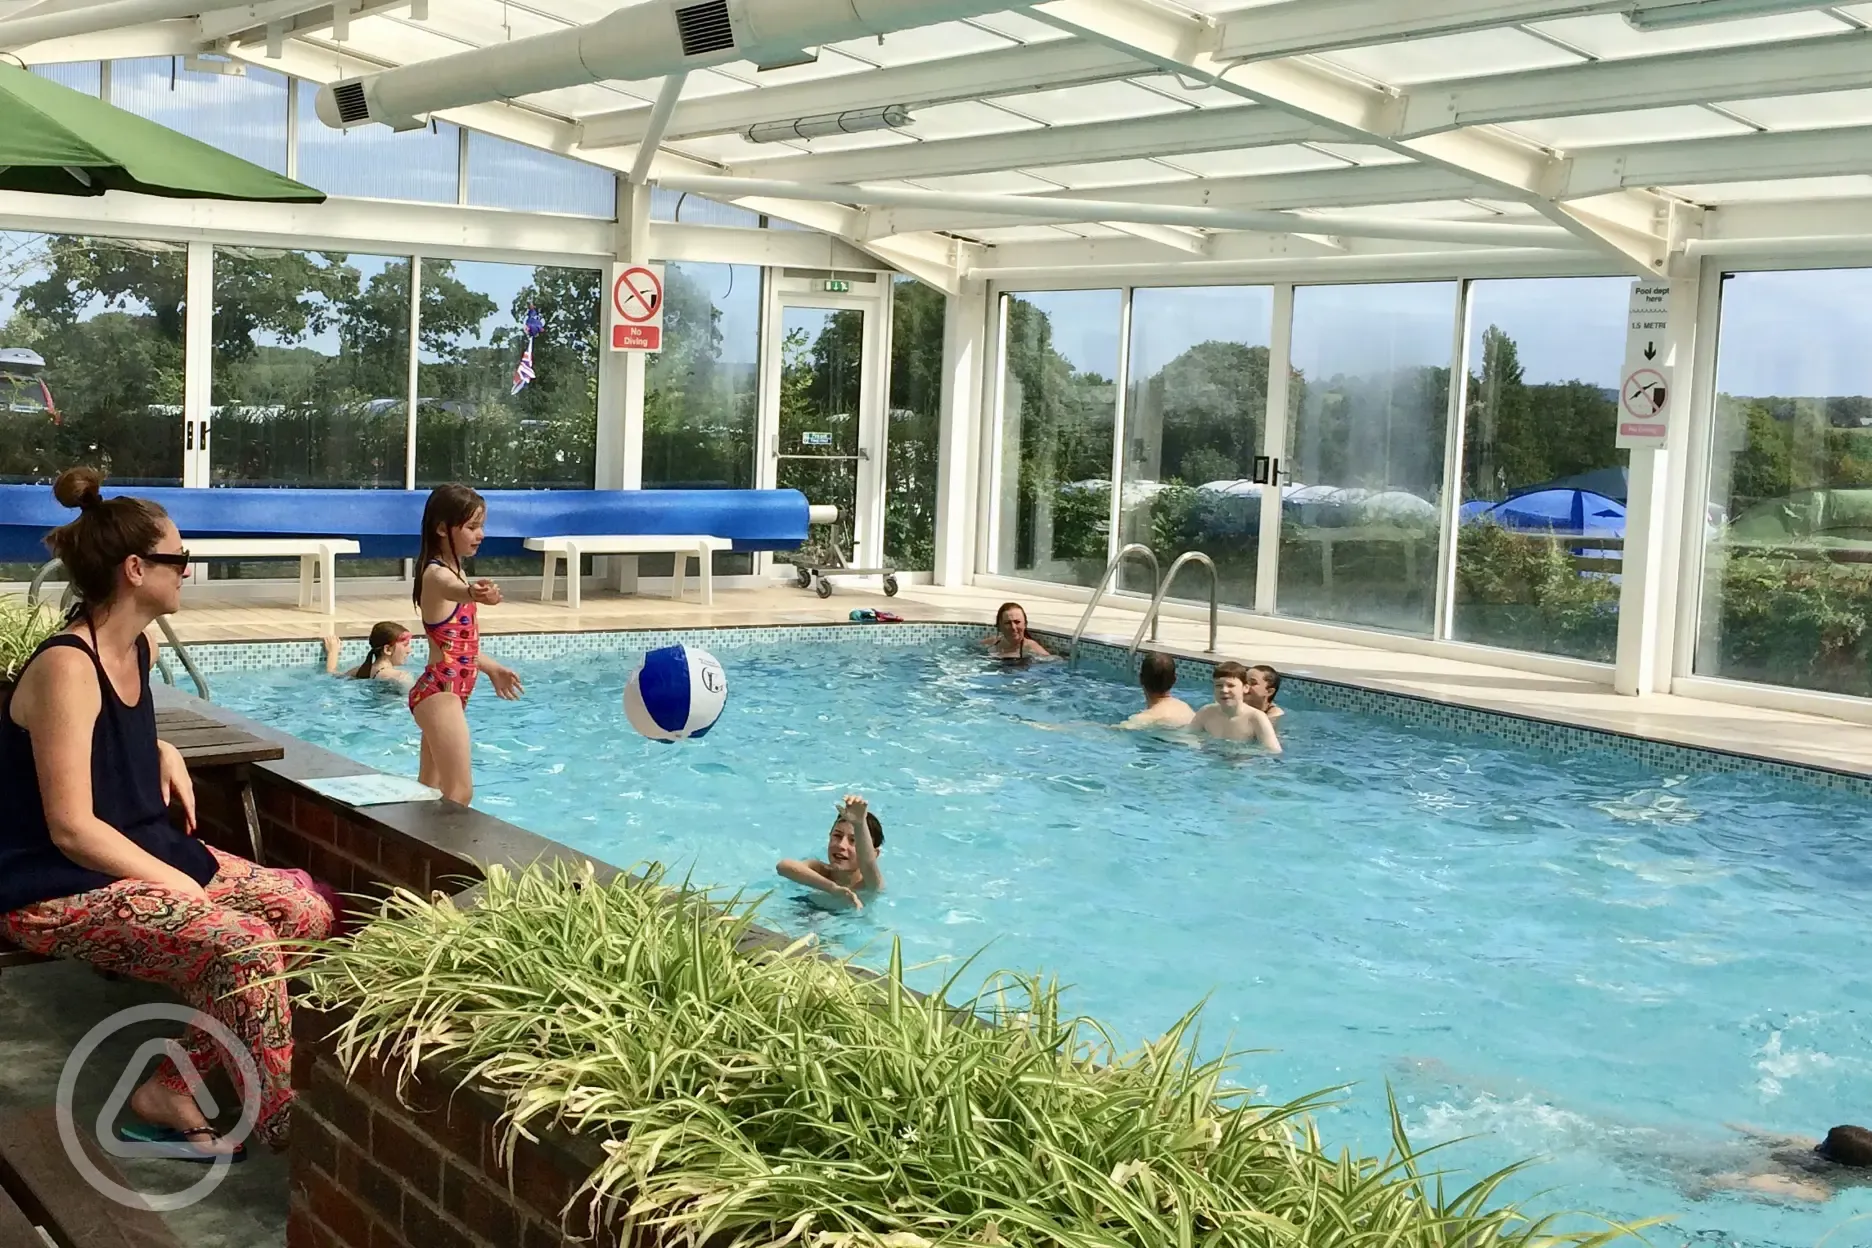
{"type": "Point", "coordinates": [179, 1142]}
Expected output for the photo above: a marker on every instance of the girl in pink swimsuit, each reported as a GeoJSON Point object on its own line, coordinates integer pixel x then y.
{"type": "Point", "coordinates": [453, 523]}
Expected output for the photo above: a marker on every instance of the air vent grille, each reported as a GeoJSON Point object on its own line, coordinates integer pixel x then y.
{"type": "Point", "coordinates": [705, 28]}
{"type": "Point", "coordinates": [352, 107]}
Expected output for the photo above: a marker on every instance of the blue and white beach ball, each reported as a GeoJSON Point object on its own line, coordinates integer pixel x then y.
{"type": "Point", "coordinates": [676, 692]}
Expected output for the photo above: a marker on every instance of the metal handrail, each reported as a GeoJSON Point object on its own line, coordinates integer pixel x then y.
{"type": "Point", "coordinates": [1163, 591]}
{"type": "Point", "coordinates": [168, 632]}
{"type": "Point", "coordinates": [1098, 592]}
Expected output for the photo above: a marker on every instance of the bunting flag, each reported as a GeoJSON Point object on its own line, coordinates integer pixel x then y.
{"type": "Point", "coordinates": [524, 373]}
{"type": "Point", "coordinates": [535, 326]}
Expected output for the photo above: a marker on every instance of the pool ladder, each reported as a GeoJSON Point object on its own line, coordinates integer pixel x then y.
{"type": "Point", "coordinates": [1153, 612]}
{"type": "Point", "coordinates": [169, 635]}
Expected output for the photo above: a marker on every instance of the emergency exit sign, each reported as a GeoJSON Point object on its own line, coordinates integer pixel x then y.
{"type": "Point", "coordinates": [835, 287]}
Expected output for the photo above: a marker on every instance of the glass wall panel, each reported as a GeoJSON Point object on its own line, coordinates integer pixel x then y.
{"type": "Point", "coordinates": [85, 76]}
{"type": "Point", "coordinates": [1059, 401]}
{"type": "Point", "coordinates": [915, 420]}
{"type": "Point", "coordinates": [243, 114]}
{"type": "Point", "coordinates": [1194, 419]}
{"type": "Point", "coordinates": [376, 162]}
{"type": "Point", "coordinates": [691, 209]}
{"type": "Point", "coordinates": [90, 360]}
{"type": "Point", "coordinates": [1540, 472]}
{"type": "Point", "coordinates": [1359, 518]}
{"type": "Point", "coordinates": [702, 391]}
{"type": "Point", "coordinates": [471, 423]}
{"type": "Point", "coordinates": [1787, 579]}
{"type": "Point", "coordinates": [311, 369]}
{"type": "Point", "coordinates": [821, 401]}
{"type": "Point", "coordinates": [503, 174]}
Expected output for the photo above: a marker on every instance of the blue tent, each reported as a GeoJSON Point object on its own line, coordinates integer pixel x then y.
{"type": "Point", "coordinates": [1568, 513]}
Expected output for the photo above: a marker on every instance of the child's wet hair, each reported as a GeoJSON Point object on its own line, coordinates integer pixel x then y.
{"type": "Point", "coordinates": [1231, 670]}
{"type": "Point", "coordinates": [1847, 1146]}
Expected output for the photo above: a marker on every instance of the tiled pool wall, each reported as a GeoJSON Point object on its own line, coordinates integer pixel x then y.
{"type": "Point", "coordinates": [1112, 661]}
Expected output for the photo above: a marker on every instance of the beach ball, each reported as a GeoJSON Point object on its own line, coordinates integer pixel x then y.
{"type": "Point", "coordinates": [676, 692]}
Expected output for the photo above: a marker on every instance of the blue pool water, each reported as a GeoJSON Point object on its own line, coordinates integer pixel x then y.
{"type": "Point", "coordinates": [1574, 957]}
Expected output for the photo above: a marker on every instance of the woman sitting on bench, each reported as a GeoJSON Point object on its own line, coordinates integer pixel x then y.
{"type": "Point", "coordinates": [90, 865]}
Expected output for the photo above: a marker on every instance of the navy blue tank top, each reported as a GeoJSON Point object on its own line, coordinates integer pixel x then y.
{"type": "Point", "coordinates": [126, 792]}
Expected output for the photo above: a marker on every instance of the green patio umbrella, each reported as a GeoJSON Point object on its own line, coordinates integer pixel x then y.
{"type": "Point", "coordinates": [57, 141]}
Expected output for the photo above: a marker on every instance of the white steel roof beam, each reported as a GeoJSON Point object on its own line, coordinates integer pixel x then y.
{"type": "Point", "coordinates": [1794, 67]}
{"type": "Point", "coordinates": [1172, 134]}
{"type": "Point", "coordinates": [1327, 188]}
{"type": "Point", "coordinates": [1741, 158]}
{"type": "Point", "coordinates": [1297, 27]}
{"type": "Point", "coordinates": [944, 81]}
{"type": "Point", "coordinates": [1186, 43]}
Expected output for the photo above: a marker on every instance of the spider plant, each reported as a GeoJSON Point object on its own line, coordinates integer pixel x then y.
{"type": "Point", "coordinates": [772, 1098]}
{"type": "Point", "coordinates": [22, 629]}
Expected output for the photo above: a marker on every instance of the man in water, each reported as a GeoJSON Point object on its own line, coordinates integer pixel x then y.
{"type": "Point", "coordinates": [1162, 709]}
{"type": "Point", "coordinates": [851, 866]}
{"type": "Point", "coordinates": [1797, 1167]}
{"type": "Point", "coordinates": [1263, 687]}
{"type": "Point", "coordinates": [1230, 716]}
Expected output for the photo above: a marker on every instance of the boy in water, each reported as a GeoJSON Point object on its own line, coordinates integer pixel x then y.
{"type": "Point", "coordinates": [1263, 687]}
{"type": "Point", "coordinates": [1230, 716]}
{"type": "Point", "coordinates": [1162, 709]}
{"type": "Point", "coordinates": [851, 866]}
{"type": "Point", "coordinates": [1796, 1167]}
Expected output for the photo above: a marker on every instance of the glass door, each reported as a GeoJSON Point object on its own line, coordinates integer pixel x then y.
{"type": "Point", "coordinates": [825, 409]}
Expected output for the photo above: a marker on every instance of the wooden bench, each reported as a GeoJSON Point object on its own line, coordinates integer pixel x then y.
{"type": "Point", "coordinates": [45, 1200]}
{"type": "Point", "coordinates": [317, 556]}
{"type": "Point", "coordinates": [684, 546]}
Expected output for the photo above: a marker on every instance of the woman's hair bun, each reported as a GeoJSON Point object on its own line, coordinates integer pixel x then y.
{"type": "Point", "coordinates": [79, 487]}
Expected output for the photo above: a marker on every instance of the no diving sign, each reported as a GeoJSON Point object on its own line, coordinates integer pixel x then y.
{"type": "Point", "coordinates": [636, 311]}
{"type": "Point", "coordinates": [1648, 380]}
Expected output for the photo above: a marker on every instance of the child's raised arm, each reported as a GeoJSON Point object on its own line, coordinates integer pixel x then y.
{"type": "Point", "coordinates": [856, 810]}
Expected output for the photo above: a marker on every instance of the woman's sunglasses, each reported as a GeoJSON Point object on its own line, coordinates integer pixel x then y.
{"type": "Point", "coordinates": [180, 559]}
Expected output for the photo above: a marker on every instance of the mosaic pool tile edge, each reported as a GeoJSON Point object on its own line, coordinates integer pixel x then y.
{"type": "Point", "coordinates": [1105, 659]}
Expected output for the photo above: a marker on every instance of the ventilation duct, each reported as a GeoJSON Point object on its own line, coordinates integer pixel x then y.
{"type": "Point", "coordinates": [640, 42]}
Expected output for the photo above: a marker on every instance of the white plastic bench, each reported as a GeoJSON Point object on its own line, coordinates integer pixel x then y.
{"type": "Point", "coordinates": [685, 546]}
{"type": "Point", "coordinates": [316, 555]}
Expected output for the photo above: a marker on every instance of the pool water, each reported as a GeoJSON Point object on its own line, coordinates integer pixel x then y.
{"type": "Point", "coordinates": [1574, 957]}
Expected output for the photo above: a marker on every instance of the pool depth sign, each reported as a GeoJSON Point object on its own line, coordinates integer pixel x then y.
{"type": "Point", "coordinates": [1648, 382]}
{"type": "Point", "coordinates": [636, 312]}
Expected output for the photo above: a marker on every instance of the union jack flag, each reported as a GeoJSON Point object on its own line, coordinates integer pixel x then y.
{"type": "Point", "coordinates": [524, 373]}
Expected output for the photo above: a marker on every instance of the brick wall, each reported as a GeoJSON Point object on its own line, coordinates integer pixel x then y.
{"type": "Point", "coordinates": [372, 1168]}
{"type": "Point", "coordinates": [339, 844]}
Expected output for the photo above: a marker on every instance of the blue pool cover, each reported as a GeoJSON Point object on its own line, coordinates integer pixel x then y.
{"type": "Point", "coordinates": [386, 523]}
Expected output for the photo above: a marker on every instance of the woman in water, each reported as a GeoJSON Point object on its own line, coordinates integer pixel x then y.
{"type": "Point", "coordinates": [453, 522]}
{"type": "Point", "coordinates": [389, 651]}
{"type": "Point", "coordinates": [91, 866]}
{"type": "Point", "coordinates": [1010, 640]}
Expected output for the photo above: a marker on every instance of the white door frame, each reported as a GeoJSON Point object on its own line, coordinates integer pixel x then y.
{"type": "Point", "coordinates": [873, 299]}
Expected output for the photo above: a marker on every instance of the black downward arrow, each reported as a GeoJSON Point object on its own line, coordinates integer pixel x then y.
{"type": "Point", "coordinates": [1650, 350]}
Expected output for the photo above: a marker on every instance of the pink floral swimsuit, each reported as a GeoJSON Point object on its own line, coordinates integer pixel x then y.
{"type": "Point", "coordinates": [458, 636]}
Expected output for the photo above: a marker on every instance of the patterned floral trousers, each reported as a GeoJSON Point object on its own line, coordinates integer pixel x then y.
{"type": "Point", "coordinates": [216, 954]}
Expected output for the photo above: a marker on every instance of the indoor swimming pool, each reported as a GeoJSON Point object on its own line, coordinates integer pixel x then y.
{"type": "Point", "coordinates": [1544, 950]}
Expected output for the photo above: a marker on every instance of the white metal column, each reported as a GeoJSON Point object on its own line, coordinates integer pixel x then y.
{"type": "Point", "coordinates": [994, 395]}
{"type": "Point", "coordinates": [414, 386]}
{"type": "Point", "coordinates": [960, 437]}
{"type": "Point", "coordinates": [1274, 446]}
{"type": "Point", "coordinates": [1698, 447]}
{"type": "Point", "coordinates": [1453, 431]}
{"type": "Point", "coordinates": [1645, 629]}
{"type": "Point", "coordinates": [197, 365]}
{"type": "Point", "coordinates": [1121, 405]}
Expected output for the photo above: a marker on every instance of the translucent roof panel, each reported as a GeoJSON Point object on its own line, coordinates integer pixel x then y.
{"type": "Point", "coordinates": [1190, 92]}
{"type": "Point", "coordinates": [1651, 125]}
{"type": "Point", "coordinates": [972, 119]}
{"type": "Point", "coordinates": [1362, 153]}
{"type": "Point", "coordinates": [1610, 36]}
{"type": "Point", "coordinates": [926, 43]}
{"type": "Point", "coordinates": [591, 98]}
{"type": "Point", "coordinates": [1096, 101]}
{"type": "Point", "coordinates": [1250, 162]}
{"type": "Point", "coordinates": [1807, 112]}
{"type": "Point", "coordinates": [1022, 234]}
{"type": "Point", "coordinates": [829, 64]}
{"type": "Point", "coordinates": [1452, 56]}
{"type": "Point", "coordinates": [1011, 182]}
{"type": "Point", "coordinates": [1108, 173]}
{"type": "Point", "coordinates": [487, 22]}
{"type": "Point", "coordinates": [1019, 27]}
